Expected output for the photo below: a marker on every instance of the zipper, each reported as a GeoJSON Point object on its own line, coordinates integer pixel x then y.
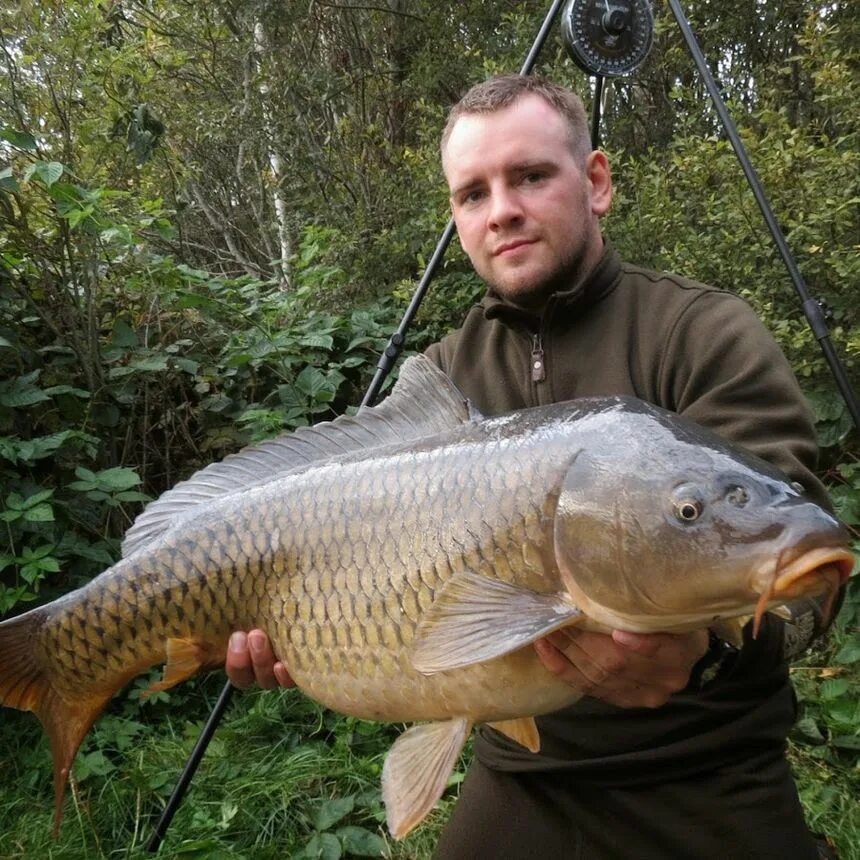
{"type": "Point", "coordinates": [538, 361]}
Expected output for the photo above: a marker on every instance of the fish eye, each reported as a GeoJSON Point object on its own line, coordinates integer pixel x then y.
{"type": "Point", "coordinates": [688, 510]}
{"type": "Point", "coordinates": [738, 496]}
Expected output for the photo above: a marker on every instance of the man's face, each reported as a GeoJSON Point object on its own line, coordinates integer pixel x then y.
{"type": "Point", "coordinates": [526, 212]}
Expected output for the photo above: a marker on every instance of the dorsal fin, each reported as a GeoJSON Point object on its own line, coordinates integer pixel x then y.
{"type": "Point", "coordinates": [424, 401]}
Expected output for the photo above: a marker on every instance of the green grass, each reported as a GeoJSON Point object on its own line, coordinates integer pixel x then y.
{"type": "Point", "coordinates": [285, 779]}
{"type": "Point", "coordinates": [280, 774]}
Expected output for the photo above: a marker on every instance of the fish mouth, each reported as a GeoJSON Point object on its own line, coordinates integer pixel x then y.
{"type": "Point", "coordinates": [822, 570]}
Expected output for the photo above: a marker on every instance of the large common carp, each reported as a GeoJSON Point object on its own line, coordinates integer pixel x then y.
{"type": "Point", "coordinates": [403, 560]}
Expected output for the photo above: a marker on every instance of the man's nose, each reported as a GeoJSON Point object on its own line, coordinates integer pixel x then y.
{"type": "Point", "coordinates": [505, 208]}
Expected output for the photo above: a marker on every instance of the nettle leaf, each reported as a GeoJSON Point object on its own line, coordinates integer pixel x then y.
{"type": "Point", "coordinates": [329, 812]}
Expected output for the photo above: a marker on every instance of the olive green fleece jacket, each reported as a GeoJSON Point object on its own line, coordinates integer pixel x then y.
{"type": "Point", "coordinates": [697, 351]}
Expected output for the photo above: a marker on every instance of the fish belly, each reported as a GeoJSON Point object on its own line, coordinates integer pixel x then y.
{"type": "Point", "coordinates": [371, 549]}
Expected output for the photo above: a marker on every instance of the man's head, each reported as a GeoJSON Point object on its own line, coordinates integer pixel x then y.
{"type": "Point", "coordinates": [527, 192]}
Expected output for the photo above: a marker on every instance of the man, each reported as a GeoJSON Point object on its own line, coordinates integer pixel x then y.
{"type": "Point", "coordinates": [678, 751]}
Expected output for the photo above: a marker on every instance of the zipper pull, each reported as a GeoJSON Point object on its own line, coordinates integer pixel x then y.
{"type": "Point", "coordinates": [538, 366]}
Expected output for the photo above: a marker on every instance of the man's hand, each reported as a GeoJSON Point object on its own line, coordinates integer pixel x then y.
{"type": "Point", "coordinates": [630, 670]}
{"type": "Point", "coordinates": [250, 659]}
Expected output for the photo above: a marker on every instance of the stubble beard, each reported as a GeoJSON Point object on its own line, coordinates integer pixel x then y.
{"type": "Point", "coordinates": [566, 275]}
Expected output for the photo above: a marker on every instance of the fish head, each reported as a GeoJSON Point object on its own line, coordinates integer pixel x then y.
{"type": "Point", "coordinates": [663, 526]}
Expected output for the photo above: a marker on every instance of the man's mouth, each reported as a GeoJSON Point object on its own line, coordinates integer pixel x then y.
{"type": "Point", "coordinates": [510, 247]}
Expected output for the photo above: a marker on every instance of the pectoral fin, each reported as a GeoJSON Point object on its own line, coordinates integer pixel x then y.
{"type": "Point", "coordinates": [476, 618]}
{"type": "Point", "coordinates": [732, 629]}
{"type": "Point", "coordinates": [524, 731]}
{"type": "Point", "coordinates": [416, 771]}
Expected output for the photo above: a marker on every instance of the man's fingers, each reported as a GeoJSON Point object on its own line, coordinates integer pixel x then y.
{"type": "Point", "coordinates": [262, 659]}
{"type": "Point", "coordinates": [282, 676]}
{"type": "Point", "coordinates": [250, 660]}
{"type": "Point", "coordinates": [646, 644]}
{"type": "Point", "coordinates": [238, 665]}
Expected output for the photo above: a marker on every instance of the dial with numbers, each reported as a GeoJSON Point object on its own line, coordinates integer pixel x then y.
{"type": "Point", "coordinates": [608, 37]}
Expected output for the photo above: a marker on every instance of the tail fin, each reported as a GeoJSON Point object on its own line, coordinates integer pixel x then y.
{"type": "Point", "coordinates": [26, 684]}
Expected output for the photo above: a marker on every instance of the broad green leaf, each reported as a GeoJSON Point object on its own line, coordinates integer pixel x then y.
{"type": "Point", "coordinates": [75, 216]}
{"type": "Point", "coordinates": [329, 812]}
{"type": "Point", "coordinates": [54, 390]}
{"type": "Point", "coordinates": [95, 763]}
{"type": "Point", "coordinates": [149, 363]}
{"type": "Point", "coordinates": [834, 688]}
{"type": "Point", "coordinates": [21, 391]}
{"type": "Point", "coordinates": [323, 846]}
{"type": "Point", "coordinates": [123, 335]}
{"type": "Point", "coordinates": [188, 365]}
{"type": "Point", "coordinates": [847, 742]}
{"type": "Point", "coordinates": [849, 652]}
{"type": "Point", "coordinates": [806, 730]}
{"type": "Point", "coordinates": [39, 552]}
{"type": "Point", "coordinates": [7, 181]}
{"type": "Point", "coordinates": [37, 498]}
{"type": "Point", "coordinates": [361, 842]}
{"type": "Point", "coordinates": [18, 139]}
{"type": "Point", "coordinates": [48, 171]}
{"type": "Point", "coordinates": [39, 514]}
{"type": "Point", "coordinates": [318, 341]}
{"type": "Point", "coordinates": [118, 478]}
{"type": "Point", "coordinates": [132, 496]}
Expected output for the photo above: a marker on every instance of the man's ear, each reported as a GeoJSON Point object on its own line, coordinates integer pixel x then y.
{"type": "Point", "coordinates": [600, 182]}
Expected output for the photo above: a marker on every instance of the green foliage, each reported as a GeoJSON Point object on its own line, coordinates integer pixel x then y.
{"type": "Point", "coordinates": [825, 748]}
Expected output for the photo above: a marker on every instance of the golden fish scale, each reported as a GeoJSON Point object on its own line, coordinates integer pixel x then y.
{"type": "Point", "coordinates": [337, 565]}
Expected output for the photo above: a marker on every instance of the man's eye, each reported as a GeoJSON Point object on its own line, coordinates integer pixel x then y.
{"type": "Point", "coordinates": [473, 197]}
{"type": "Point", "coordinates": [532, 178]}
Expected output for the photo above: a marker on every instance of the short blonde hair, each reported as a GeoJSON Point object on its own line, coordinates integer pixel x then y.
{"type": "Point", "coordinates": [502, 91]}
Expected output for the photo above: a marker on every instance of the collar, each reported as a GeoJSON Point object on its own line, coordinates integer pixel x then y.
{"type": "Point", "coordinates": [602, 280]}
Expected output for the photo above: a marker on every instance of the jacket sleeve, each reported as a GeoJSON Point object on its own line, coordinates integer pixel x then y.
{"type": "Point", "coordinates": [724, 370]}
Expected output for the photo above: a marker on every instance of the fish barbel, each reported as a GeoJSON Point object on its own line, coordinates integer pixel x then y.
{"type": "Point", "coordinates": [403, 560]}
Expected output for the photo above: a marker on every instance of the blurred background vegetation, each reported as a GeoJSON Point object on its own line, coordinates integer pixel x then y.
{"type": "Point", "coordinates": [211, 218]}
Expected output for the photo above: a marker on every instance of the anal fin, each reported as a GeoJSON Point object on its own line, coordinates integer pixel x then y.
{"type": "Point", "coordinates": [523, 731]}
{"type": "Point", "coordinates": [417, 769]}
{"type": "Point", "coordinates": [185, 658]}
